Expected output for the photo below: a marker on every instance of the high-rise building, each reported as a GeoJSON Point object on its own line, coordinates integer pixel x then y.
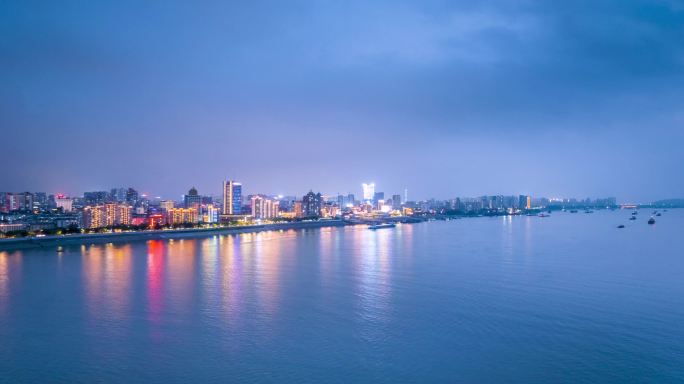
{"type": "Point", "coordinates": [192, 199]}
{"type": "Point", "coordinates": [5, 202]}
{"type": "Point", "coordinates": [522, 202]}
{"type": "Point", "coordinates": [211, 214]}
{"type": "Point", "coordinates": [95, 198]}
{"type": "Point", "coordinates": [396, 201]}
{"type": "Point", "coordinates": [264, 208]}
{"type": "Point", "coordinates": [232, 197]}
{"type": "Point", "coordinates": [298, 211]}
{"type": "Point", "coordinates": [110, 214]}
{"type": "Point", "coordinates": [132, 197]}
{"type": "Point", "coordinates": [94, 216]}
{"type": "Point", "coordinates": [368, 191]}
{"type": "Point", "coordinates": [181, 215]}
{"type": "Point", "coordinates": [165, 205]}
{"type": "Point", "coordinates": [377, 196]}
{"type": "Point", "coordinates": [123, 214]}
{"type": "Point", "coordinates": [40, 200]}
{"type": "Point", "coordinates": [22, 201]}
{"type": "Point", "coordinates": [106, 215]}
{"type": "Point", "coordinates": [311, 204]}
{"type": "Point", "coordinates": [351, 200]}
{"type": "Point", "coordinates": [118, 194]}
{"type": "Point", "coordinates": [10, 202]}
{"type": "Point", "coordinates": [341, 201]}
{"type": "Point", "coordinates": [27, 203]}
{"type": "Point", "coordinates": [529, 202]}
{"type": "Point", "coordinates": [64, 202]}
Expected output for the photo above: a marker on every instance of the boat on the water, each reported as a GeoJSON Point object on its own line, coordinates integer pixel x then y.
{"type": "Point", "coordinates": [658, 214]}
{"type": "Point", "coordinates": [381, 226]}
{"type": "Point", "coordinates": [651, 221]}
{"type": "Point", "coordinates": [573, 211]}
{"type": "Point", "coordinates": [588, 211]}
{"type": "Point", "coordinates": [543, 214]}
{"type": "Point", "coordinates": [621, 226]}
{"type": "Point", "coordinates": [632, 218]}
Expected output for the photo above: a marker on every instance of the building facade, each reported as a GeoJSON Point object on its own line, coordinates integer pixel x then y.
{"type": "Point", "coordinates": [181, 216]}
{"type": "Point", "coordinates": [368, 191]}
{"type": "Point", "coordinates": [192, 199]}
{"type": "Point", "coordinates": [232, 197]}
{"type": "Point", "coordinates": [312, 204]}
{"type": "Point", "coordinates": [65, 203]}
{"type": "Point", "coordinates": [264, 208]}
{"type": "Point", "coordinates": [106, 215]}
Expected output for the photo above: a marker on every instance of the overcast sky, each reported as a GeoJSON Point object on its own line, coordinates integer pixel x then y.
{"type": "Point", "coordinates": [445, 98]}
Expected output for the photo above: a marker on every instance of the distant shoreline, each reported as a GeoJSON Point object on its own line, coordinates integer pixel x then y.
{"type": "Point", "coordinates": [57, 240]}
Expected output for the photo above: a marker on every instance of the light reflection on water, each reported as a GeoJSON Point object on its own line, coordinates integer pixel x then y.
{"type": "Point", "coordinates": [155, 284]}
{"type": "Point", "coordinates": [4, 281]}
{"type": "Point", "coordinates": [107, 279]}
{"type": "Point", "coordinates": [440, 302]}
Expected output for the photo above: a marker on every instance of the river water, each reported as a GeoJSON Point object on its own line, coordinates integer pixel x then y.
{"type": "Point", "coordinates": [568, 298]}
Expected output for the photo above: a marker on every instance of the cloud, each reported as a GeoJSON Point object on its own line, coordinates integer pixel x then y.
{"type": "Point", "coordinates": [329, 76]}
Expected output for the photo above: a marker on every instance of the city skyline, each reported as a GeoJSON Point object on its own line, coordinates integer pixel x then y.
{"type": "Point", "coordinates": [441, 98]}
{"type": "Point", "coordinates": [193, 194]}
{"type": "Point", "coordinates": [365, 192]}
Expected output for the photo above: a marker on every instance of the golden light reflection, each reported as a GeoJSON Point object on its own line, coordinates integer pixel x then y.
{"type": "Point", "coordinates": [10, 269]}
{"type": "Point", "coordinates": [232, 278]}
{"type": "Point", "coordinates": [4, 276]}
{"type": "Point", "coordinates": [267, 256]}
{"type": "Point", "coordinates": [107, 273]}
{"type": "Point", "coordinates": [180, 260]}
{"type": "Point", "coordinates": [210, 259]}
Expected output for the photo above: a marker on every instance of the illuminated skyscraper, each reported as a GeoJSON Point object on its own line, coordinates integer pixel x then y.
{"type": "Point", "coordinates": [232, 197]}
{"type": "Point", "coordinates": [181, 216]}
{"type": "Point", "coordinates": [368, 191]}
{"type": "Point", "coordinates": [123, 214]}
{"type": "Point", "coordinates": [312, 204]}
{"type": "Point", "coordinates": [94, 216]}
{"type": "Point", "coordinates": [264, 208]}
{"type": "Point", "coordinates": [192, 199]}
{"type": "Point", "coordinates": [132, 196]}
{"type": "Point", "coordinates": [16, 202]}
{"type": "Point", "coordinates": [64, 202]}
{"type": "Point", "coordinates": [110, 214]}
{"type": "Point", "coordinates": [211, 214]}
{"type": "Point", "coordinates": [165, 205]}
{"type": "Point", "coordinates": [107, 215]}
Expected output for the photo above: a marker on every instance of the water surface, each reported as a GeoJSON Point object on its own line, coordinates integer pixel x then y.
{"type": "Point", "coordinates": [569, 298]}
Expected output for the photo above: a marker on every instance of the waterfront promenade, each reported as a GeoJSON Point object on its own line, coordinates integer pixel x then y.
{"type": "Point", "coordinates": [90, 238]}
